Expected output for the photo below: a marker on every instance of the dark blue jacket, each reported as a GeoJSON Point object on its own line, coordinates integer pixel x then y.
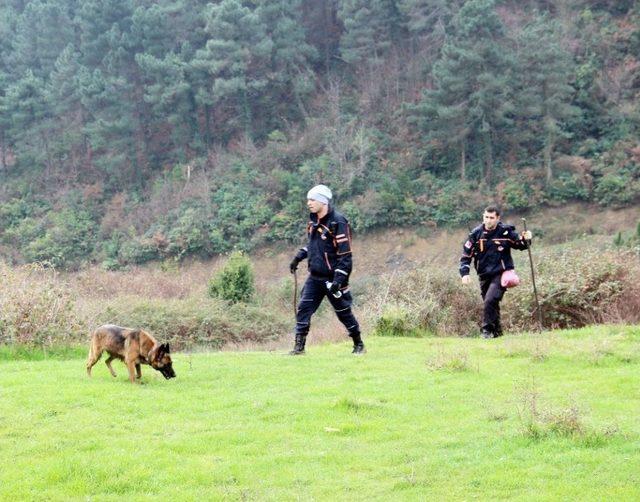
{"type": "Point", "coordinates": [328, 248]}
{"type": "Point", "coordinates": [490, 251]}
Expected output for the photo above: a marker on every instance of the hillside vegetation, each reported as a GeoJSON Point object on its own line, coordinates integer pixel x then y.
{"type": "Point", "coordinates": [133, 131]}
{"type": "Point", "coordinates": [546, 417]}
{"type": "Point", "coordinates": [404, 285]}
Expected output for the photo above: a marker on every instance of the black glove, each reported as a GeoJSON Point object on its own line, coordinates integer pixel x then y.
{"type": "Point", "coordinates": [335, 286]}
{"type": "Point", "coordinates": [293, 266]}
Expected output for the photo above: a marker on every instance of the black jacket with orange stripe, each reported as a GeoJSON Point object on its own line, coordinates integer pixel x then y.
{"type": "Point", "coordinates": [490, 250]}
{"type": "Point", "coordinates": [329, 247]}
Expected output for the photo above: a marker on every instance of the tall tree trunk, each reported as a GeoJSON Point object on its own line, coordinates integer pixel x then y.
{"type": "Point", "coordinates": [3, 153]}
{"type": "Point", "coordinates": [49, 162]}
{"type": "Point", "coordinates": [549, 145]}
{"type": "Point", "coordinates": [488, 155]}
{"type": "Point", "coordinates": [463, 160]}
{"type": "Point", "coordinates": [208, 128]}
{"type": "Point", "coordinates": [246, 108]}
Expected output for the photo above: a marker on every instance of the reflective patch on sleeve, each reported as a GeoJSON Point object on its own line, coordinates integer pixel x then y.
{"type": "Point", "coordinates": [467, 244]}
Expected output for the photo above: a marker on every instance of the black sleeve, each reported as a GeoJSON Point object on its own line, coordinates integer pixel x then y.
{"type": "Point", "coordinates": [468, 251]}
{"type": "Point", "coordinates": [342, 242]}
{"type": "Point", "coordinates": [302, 253]}
{"type": "Point", "coordinates": [516, 241]}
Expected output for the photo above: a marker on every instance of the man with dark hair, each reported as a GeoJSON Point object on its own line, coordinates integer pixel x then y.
{"type": "Point", "coordinates": [328, 252]}
{"type": "Point", "coordinates": [489, 246]}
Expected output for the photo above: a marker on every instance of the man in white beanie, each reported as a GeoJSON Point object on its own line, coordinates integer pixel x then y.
{"type": "Point", "coordinates": [328, 252]}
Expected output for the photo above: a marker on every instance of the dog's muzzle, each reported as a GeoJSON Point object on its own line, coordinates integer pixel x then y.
{"type": "Point", "coordinates": [168, 373]}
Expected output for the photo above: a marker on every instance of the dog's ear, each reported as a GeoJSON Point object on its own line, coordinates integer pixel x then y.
{"type": "Point", "coordinates": [166, 348]}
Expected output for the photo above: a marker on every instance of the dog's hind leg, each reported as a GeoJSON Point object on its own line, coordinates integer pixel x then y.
{"type": "Point", "coordinates": [94, 357]}
{"type": "Point", "coordinates": [108, 363]}
{"type": "Point", "coordinates": [138, 372]}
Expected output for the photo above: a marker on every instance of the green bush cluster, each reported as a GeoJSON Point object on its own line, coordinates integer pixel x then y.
{"type": "Point", "coordinates": [578, 284]}
{"type": "Point", "coordinates": [36, 308]}
{"type": "Point", "coordinates": [234, 282]}
{"type": "Point", "coordinates": [191, 323]}
{"type": "Point", "coordinates": [426, 301]}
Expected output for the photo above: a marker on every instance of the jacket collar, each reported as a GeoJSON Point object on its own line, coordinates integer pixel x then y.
{"type": "Point", "coordinates": [327, 217]}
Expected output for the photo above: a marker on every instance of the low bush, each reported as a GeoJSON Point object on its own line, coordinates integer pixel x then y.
{"type": "Point", "coordinates": [426, 301]}
{"type": "Point", "coordinates": [234, 282]}
{"type": "Point", "coordinates": [36, 308]}
{"type": "Point", "coordinates": [190, 323]}
{"type": "Point", "coordinates": [578, 284]}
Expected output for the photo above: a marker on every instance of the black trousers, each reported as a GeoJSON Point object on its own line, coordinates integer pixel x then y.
{"type": "Point", "coordinates": [313, 292]}
{"type": "Point", "coordinates": [492, 292]}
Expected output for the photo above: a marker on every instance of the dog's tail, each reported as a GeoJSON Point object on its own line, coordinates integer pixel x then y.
{"type": "Point", "coordinates": [92, 358]}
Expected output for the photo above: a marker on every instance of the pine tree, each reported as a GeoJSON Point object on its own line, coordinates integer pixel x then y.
{"type": "Point", "coordinates": [544, 92]}
{"type": "Point", "coordinates": [42, 31]}
{"type": "Point", "coordinates": [63, 91]}
{"type": "Point", "coordinates": [29, 113]}
{"type": "Point", "coordinates": [368, 29]}
{"type": "Point", "coordinates": [233, 66]}
{"type": "Point", "coordinates": [291, 55]}
{"type": "Point", "coordinates": [470, 102]}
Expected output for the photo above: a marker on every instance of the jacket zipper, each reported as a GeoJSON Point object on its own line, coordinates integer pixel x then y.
{"type": "Point", "coordinates": [326, 259]}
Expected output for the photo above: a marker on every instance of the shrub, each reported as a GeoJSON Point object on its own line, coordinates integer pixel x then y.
{"type": "Point", "coordinates": [615, 190]}
{"type": "Point", "coordinates": [396, 320]}
{"type": "Point", "coordinates": [577, 285]}
{"type": "Point", "coordinates": [68, 240]}
{"type": "Point", "coordinates": [426, 301]}
{"type": "Point", "coordinates": [190, 323]}
{"type": "Point", "coordinates": [36, 308]}
{"type": "Point", "coordinates": [234, 282]}
{"type": "Point", "coordinates": [568, 187]}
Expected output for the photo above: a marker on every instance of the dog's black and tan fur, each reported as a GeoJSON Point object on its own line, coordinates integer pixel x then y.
{"type": "Point", "coordinates": [133, 346]}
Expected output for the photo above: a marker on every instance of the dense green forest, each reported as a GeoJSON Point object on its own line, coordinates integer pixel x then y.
{"type": "Point", "coordinates": [134, 130]}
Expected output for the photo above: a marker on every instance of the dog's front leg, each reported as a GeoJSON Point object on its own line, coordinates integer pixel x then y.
{"type": "Point", "coordinates": [131, 366]}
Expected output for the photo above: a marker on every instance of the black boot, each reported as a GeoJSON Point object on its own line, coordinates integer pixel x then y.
{"type": "Point", "coordinates": [358, 345]}
{"type": "Point", "coordinates": [298, 348]}
{"type": "Point", "coordinates": [487, 334]}
{"type": "Point", "coordinates": [498, 329]}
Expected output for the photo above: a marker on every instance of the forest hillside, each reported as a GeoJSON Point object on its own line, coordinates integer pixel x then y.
{"type": "Point", "coordinates": [137, 130]}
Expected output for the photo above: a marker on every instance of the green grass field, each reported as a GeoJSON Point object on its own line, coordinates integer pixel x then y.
{"type": "Point", "coordinates": [545, 417]}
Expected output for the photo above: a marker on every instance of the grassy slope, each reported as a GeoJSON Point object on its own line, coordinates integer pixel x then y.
{"type": "Point", "coordinates": [394, 424]}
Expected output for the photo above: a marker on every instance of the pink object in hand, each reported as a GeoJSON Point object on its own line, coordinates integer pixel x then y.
{"type": "Point", "coordinates": [509, 279]}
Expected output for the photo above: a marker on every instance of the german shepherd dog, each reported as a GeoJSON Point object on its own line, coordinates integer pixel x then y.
{"type": "Point", "coordinates": [133, 346]}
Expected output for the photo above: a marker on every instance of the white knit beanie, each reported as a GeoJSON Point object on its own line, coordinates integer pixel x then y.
{"type": "Point", "coordinates": [321, 193]}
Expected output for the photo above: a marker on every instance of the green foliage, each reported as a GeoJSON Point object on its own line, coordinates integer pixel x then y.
{"type": "Point", "coordinates": [615, 190]}
{"type": "Point", "coordinates": [37, 309]}
{"type": "Point", "coordinates": [568, 187]}
{"type": "Point", "coordinates": [396, 321]}
{"type": "Point", "coordinates": [369, 25]}
{"type": "Point", "coordinates": [426, 301]}
{"type": "Point", "coordinates": [234, 282]}
{"type": "Point", "coordinates": [191, 323]}
{"type": "Point", "coordinates": [260, 100]}
{"type": "Point", "coordinates": [69, 239]}
{"type": "Point", "coordinates": [577, 285]}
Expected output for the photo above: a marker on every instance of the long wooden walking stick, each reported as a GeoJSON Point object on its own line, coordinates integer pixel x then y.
{"type": "Point", "coordinates": [533, 279]}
